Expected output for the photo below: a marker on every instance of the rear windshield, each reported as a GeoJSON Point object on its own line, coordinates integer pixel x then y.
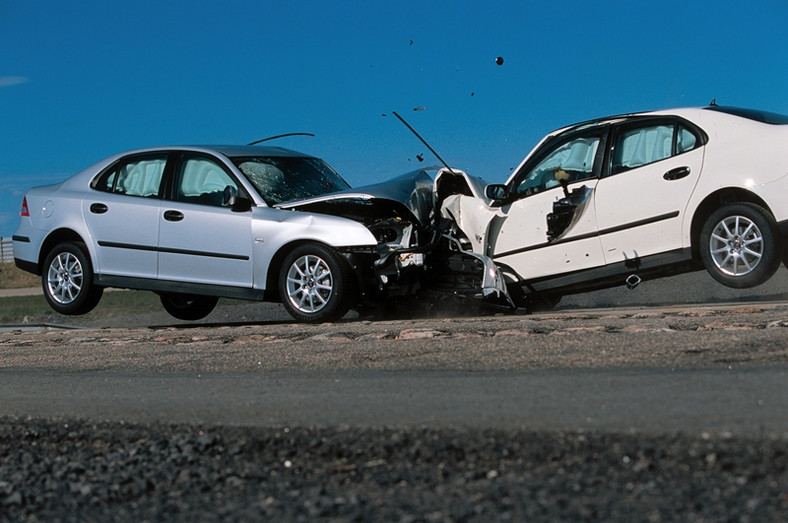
{"type": "Point", "coordinates": [752, 114]}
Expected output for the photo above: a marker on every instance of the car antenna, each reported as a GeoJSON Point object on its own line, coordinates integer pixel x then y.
{"type": "Point", "coordinates": [279, 136]}
{"type": "Point", "coordinates": [401, 119]}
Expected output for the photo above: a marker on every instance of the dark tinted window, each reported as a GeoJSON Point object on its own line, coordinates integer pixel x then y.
{"type": "Point", "coordinates": [752, 114]}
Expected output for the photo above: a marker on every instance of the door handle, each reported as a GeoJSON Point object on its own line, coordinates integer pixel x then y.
{"type": "Point", "coordinates": [98, 208]}
{"type": "Point", "coordinates": [677, 173]}
{"type": "Point", "coordinates": [173, 216]}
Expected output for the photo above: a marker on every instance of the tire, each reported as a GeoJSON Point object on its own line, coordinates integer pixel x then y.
{"type": "Point", "coordinates": [67, 280]}
{"type": "Point", "coordinates": [541, 302]}
{"type": "Point", "coordinates": [188, 307]}
{"type": "Point", "coordinates": [316, 284]}
{"type": "Point", "coordinates": [739, 245]}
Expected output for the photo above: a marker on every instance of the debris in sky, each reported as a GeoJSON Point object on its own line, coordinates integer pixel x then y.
{"type": "Point", "coordinates": [420, 108]}
{"type": "Point", "coordinates": [499, 60]}
{"type": "Point", "coordinates": [411, 42]}
{"type": "Point", "coordinates": [420, 157]}
{"type": "Point", "coordinates": [473, 93]}
{"type": "Point", "coordinates": [383, 114]}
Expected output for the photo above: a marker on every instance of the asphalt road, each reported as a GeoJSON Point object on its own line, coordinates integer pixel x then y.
{"type": "Point", "coordinates": [743, 401]}
{"type": "Point", "coordinates": [717, 368]}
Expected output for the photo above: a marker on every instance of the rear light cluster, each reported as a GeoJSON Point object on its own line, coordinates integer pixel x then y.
{"type": "Point", "coordinates": [24, 211]}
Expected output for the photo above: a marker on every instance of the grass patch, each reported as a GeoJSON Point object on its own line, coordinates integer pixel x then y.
{"type": "Point", "coordinates": [12, 277]}
{"type": "Point", "coordinates": [15, 309]}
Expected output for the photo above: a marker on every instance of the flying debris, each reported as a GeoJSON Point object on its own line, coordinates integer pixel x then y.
{"type": "Point", "coordinates": [420, 157]}
{"type": "Point", "coordinates": [499, 60]}
{"type": "Point", "coordinates": [420, 108]}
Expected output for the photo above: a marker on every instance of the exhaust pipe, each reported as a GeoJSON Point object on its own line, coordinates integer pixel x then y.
{"type": "Point", "coordinates": [633, 280]}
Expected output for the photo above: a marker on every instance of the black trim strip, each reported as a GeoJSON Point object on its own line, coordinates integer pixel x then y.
{"type": "Point", "coordinates": [21, 239]}
{"type": "Point", "coordinates": [151, 248]}
{"type": "Point", "coordinates": [617, 228]}
{"type": "Point", "coordinates": [206, 254]}
{"type": "Point", "coordinates": [131, 246]}
{"type": "Point", "coordinates": [640, 223]}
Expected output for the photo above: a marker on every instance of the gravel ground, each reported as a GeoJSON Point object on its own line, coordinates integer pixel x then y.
{"type": "Point", "coordinates": [66, 470]}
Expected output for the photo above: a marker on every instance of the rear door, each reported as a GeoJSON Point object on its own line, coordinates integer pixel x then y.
{"type": "Point", "coordinates": [200, 239]}
{"type": "Point", "coordinates": [641, 200]}
{"type": "Point", "coordinates": [122, 215]}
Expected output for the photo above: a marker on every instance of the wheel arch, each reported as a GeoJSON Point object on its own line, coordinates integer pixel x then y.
{"type": "Point", "coordinates": [272, 278]}
{"type": "Point", "coordinates": [56, 237]}
{"type": "Point", "coordinates": [713, 202]}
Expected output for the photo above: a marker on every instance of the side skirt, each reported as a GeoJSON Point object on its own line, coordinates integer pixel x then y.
{"type": "Point", "coordinates": [650, 267]}
{"type": "Point", "coordinates": [145, 284]}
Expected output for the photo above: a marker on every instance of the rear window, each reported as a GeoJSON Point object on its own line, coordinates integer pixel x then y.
{"type": "Point", "coordinates": [752, 114]}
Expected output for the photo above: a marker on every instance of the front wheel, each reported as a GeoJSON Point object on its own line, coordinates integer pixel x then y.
{"type": "Point", "coordinates": [315, 284]}
{"type": "Point", "coordinates": [67, 280]}
{"type": "Point", "coordinates": [739, 245]}
{"type": "Point", "coordinates": [188, 307]}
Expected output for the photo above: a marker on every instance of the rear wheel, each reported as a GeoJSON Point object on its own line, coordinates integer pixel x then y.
{"type": "Point", "coordinates": [541, 302]}
{"type": "Point", "coordinates": [188, 307]}
{"type": "Point", "coordinates": [315, 284]}
{"type": "Point", "coordinates": [739, 245]}
{"type": "Point", "coordinates": [67, 280]}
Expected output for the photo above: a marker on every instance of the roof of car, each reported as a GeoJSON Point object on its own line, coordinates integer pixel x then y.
{"type": "Point", "coordinates": [231, 151]}
{"type": "Point", "coordinates": [254, 150]}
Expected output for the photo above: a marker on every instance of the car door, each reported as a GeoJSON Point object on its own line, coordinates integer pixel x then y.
{"type": "Point", "coordinates": [641, 200]}
{"type": "Point", "coordinates": [200, 239]}
{"type": "Point", "coordinates": [519, 236]}
{"type": "Point", "coordinates": [122, 215]}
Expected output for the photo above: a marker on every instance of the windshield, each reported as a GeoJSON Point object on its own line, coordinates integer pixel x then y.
{"type": "Point", "coordinates": [286, 178]}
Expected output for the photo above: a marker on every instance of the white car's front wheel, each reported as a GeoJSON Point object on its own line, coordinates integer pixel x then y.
{"type": "Point", "coordinates": [315, 284]}
{"type": "Point", "coordinates": [739, 245]}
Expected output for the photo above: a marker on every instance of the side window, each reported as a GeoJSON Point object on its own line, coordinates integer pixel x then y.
{"type": "Point", "coordinates": [202, 181]}
{"type": "Point", "coordinates": [138, 177]}
{"type": "Point", "coordinates": [572, 160]}
{"type": "Point", "coordinates": [685, 140]}
{"type": "Point", "coordinates": [641, 146]}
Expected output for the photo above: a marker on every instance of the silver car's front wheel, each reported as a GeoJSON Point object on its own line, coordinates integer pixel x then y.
{"type": "Point", "coordinates": [67, 280]}
{"type": "Point", "coordinates": [309, 284]}
{"type": "Point", "coordinates": [315, 283]}
{"type": "Point", "coordinates": [739, 245]}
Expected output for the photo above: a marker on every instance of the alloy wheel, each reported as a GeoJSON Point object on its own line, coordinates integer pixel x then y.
{"type": "Point", "coordinates": [309, 283]}
{"type": "Point", "coordinates": [65, 278]}
{"type": "Point", "coordinates": [736, 245]}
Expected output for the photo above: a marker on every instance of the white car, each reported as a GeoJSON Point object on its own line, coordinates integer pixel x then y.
{"type": "Point", "coordinates": [618, 200]}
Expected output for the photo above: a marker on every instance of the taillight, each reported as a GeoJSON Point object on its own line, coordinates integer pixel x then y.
{"type": "Point", "coordinates": [24, 211]}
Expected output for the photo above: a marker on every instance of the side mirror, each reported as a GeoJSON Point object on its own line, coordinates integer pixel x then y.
{"type": "Point", "coordinates": [496, 192]}
{"type": "Point", "coordinates": [229, 196]}
{"type": "Point", "coordinates": [231, 199]}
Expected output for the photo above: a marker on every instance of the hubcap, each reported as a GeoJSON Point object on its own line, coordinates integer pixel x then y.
{"type": "Point", "coordinates": [736, 245]}
{"type": "Point", "coordinates": [64, 278]}
{"type": "Point", "coordinates": [309, 284]}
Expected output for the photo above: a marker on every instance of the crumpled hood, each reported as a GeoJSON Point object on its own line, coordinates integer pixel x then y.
{"type": "Point", "coordinates": [409, 196]}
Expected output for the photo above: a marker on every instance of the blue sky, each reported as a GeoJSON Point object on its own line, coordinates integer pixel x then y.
{"type": "Point", "coordinates": [82, 80]}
